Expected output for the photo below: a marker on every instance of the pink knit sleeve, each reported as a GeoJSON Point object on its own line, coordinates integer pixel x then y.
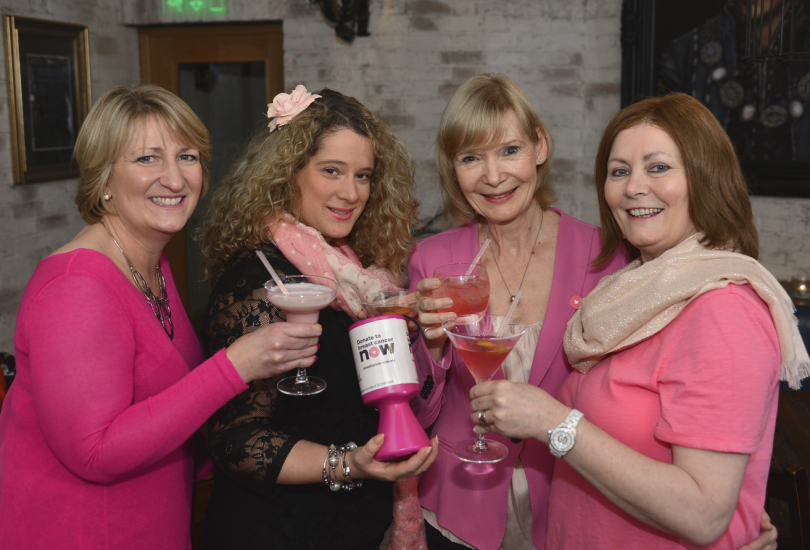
{"type": "Point", "coordinates": [83, 354]}
{"type": "Point", "coordinates": [428, 403]}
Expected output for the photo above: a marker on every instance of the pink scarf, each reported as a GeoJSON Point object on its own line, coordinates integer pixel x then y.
{"type": "Point", "coordinates": [307, 250]}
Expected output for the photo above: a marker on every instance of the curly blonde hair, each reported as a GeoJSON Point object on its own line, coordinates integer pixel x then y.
{"type": "Point", "coordinates": [260, 186]}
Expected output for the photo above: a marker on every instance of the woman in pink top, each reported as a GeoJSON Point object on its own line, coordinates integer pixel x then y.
{"type": "Point", "coordinates": [664, 431]}
{"type": "Point", "coordinates": [98, 432]}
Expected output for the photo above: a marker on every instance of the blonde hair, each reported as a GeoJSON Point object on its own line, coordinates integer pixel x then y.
{"type": "Point", "coordinates": [719, 205]}
{"type": "Point", "coordinates": [109, 127]}
{"type": "Point", "coordinates": [474, 118]}
{"type": "Point", "coordinates": [260, 186]}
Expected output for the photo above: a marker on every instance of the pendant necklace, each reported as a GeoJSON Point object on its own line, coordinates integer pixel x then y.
{"type": "Point", "coordinates": [160, 306]}
{"type": "Point", "coordinates": [512, 296]}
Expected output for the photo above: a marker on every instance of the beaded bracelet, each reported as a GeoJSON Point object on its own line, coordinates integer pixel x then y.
{"type": "Point", "coordinates": [348, 484]}
{"type": "Point", "coordinates": [334, 456]}
{"type": "Point", "coordinates": [332, 461]}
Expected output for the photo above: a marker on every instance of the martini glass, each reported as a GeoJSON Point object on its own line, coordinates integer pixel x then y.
{"type": "Point", "coordinates": [305, 297]}
{"type": "Point", "coordinates": [467, 285]}
{"type": "Point", "coordinates": [483, 344]}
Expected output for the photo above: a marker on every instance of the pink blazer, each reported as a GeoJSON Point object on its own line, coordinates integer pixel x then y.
{"type": "Point", "coordinates": [466, 497]}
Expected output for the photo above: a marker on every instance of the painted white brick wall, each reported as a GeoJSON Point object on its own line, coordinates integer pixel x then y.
{"type": "Point", "coordinates": [565, 54]}
{"type": "Point", "coordinates": [36, 219]}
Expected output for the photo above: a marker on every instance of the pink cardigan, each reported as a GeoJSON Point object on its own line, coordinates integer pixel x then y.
{"type": "Point", "coordinates": [97, 432]}
{"type": "Point", "coordinates": [469, 499]}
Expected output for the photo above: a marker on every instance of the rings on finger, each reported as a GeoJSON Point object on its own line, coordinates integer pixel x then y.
{"type": "Point", "coordinates": [482, 418]}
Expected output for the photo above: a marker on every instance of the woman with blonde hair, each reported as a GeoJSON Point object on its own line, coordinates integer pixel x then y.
{"type": "Point", "coordinates": [98, 434]}
{"type": "Point", "coordinates": [326, 189]}
{"type": "Point", "coordinates": [494, 154]}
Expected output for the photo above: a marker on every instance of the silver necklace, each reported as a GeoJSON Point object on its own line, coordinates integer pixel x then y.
{"type": "Point", "coordinates": [512, 296]}
{"type": "Point", "coordinates": [160, 306]}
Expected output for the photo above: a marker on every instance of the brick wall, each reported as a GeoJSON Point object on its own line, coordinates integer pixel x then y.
{"type": "Point", "coordinates": [36, 219]}
{"type": "Point", "coordinates": [565, 54]}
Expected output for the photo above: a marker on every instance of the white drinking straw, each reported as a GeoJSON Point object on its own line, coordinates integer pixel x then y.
{"type": "Point", "coordinates": [272, 271]}
{"type": "Point", "coordinates": [508, 316]}
{"type": "Point", "coordinates": [478, 256]}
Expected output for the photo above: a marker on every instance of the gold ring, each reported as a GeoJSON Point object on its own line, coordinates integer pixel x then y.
{"type": "Point", "coordinates": [482, 418]}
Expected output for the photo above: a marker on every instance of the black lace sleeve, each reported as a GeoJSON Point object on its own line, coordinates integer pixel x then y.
{"type": "Point", "coordinates": [246, 438]}
{"type": "Point", "coordinates": [252, 435]}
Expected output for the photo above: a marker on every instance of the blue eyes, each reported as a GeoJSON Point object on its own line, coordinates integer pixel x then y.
{"type": "Point", "coordinates": [507, 152]}
{"type": "Point", "coordinates": [655, 169]}
{"type": "Point", "coordinates": [151, 159]}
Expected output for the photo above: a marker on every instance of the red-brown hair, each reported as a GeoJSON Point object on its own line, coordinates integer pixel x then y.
{"type": "Point", "coordinates": [719, 205]}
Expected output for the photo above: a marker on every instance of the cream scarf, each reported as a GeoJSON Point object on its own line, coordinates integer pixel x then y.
{"type": "Point", "coordinates": [639, 300]}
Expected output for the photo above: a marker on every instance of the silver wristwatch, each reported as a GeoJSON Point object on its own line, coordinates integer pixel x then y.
{"type": "Point", "coordinates": [562, 438]}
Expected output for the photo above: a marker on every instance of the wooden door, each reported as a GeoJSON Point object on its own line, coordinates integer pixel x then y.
{"type": "Point", "coordinates": [173, 55]}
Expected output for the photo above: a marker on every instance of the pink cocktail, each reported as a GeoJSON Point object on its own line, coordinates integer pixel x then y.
{"type": "Point", "coordinates": [468, 288]}
{"type": "Point", "coordinates": [302, 299]}
{"type": "Point", "coordinates": [482, 357]}
{"type": "Point", "coordinates": [483, 343]}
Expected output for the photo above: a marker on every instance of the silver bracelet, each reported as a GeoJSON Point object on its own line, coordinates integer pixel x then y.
{"type": "Point", "coordinates": [331, 461]}
{"type": "Point", "coordinates": [348, 484]}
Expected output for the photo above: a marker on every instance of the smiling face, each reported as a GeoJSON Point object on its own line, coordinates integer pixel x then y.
{"type": "Point", "coordinates": [647, 191]}
{"type": "Point", "coordinates": [500, 181]}
{"type": "Point", "coordinates": [335, 183]}
{"type": "Point", "coordinates": [155, 183]}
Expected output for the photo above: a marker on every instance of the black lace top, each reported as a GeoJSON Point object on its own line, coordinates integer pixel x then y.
{"type": "Point", "coordinates": [252, 435]}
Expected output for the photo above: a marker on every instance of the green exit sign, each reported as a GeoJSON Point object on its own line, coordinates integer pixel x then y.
{"type": "Point", "coordinates": [195, 8]}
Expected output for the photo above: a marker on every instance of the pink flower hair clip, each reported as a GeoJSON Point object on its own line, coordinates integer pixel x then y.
{"type": "Point", "coordinates": [285, 107]}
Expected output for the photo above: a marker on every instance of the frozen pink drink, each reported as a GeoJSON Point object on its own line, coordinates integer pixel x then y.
{"type": "Point", "coordinates": [304, 301]}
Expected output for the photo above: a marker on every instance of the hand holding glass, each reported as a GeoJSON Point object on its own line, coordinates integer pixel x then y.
{"type": "Point", "coordinates": [390, 303]}
{"type": "Point", "coordinates": [483, 345]}
{"type": "Point", "coordinates": [467, 285]}
{"type": "Point", "coordinates": [305, 297]}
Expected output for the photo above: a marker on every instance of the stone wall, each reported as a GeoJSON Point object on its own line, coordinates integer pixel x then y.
{"type": "Point", "coordinates": [565, 54]}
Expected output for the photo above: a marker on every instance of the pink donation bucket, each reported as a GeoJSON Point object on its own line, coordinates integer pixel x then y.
{"type": "Point", "coordinates": [387, 376]}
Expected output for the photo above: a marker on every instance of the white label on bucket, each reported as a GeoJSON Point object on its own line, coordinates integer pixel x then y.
{"type": "Point", "coordinates": [382, 354]}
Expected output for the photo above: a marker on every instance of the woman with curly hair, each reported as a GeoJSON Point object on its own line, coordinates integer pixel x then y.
{"type": "Point", "coordinates": [328, 188]}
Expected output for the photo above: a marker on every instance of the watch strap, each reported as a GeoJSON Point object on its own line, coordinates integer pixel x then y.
{"type": "Point", "coordinates": [563, 437]}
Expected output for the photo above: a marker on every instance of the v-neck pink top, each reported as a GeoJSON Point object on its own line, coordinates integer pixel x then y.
{"type": "Point", "coordinates": [97, 431]}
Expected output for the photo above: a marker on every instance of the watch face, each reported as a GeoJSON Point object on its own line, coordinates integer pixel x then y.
{"type": "Point", "coordinates": [562, 439]}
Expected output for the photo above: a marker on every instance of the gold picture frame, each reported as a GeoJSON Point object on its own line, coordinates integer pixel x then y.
{"type": "Point", "coordinates": [48, 75]}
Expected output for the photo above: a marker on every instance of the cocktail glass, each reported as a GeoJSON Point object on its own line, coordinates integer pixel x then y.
{"type": "Point", "coordinates": [390, 303]}
{"type": "Point", "coordinates": [306, 296]}
{"type": "Point", "coordinates": [483, 351]}
{"type": "Point", "coordinates": [469, 291]}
